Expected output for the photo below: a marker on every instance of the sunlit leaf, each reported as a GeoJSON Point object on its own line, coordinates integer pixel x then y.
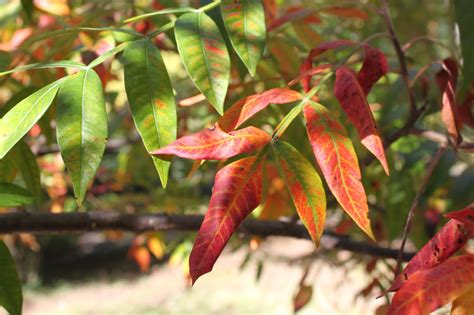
{"type": "Point", "coordinates": [81, 128]}
{"type": "Point", "coordinates": [11, 297]}
{"type": "Point", "coordinates": [336, 157]}
{"type": "Point", "coordinates": [16, 123]}
{"type": "Point", "coordinates": [464, 304]}
{"type": "Point", "coordinates": [215, 144]}
{"type": "Point", "coordinates": [245, 23]}
{"type": "Point", "coordinates": [237, 191]}
{"type": "Point", "coordinates": [305, 187]}
{"type": "Point", "coordinates": [247, 107]}
{"type": "Point", "coordinates": [205, 56]}
{"type": "Point", "coordinates": [12, 195]}
{"type": "Point", "coordinates": [151, 99]}
{"type": "Point", "coordinates": [352, 99]}
{"type": "Point", "coordinates": [428, 290]}
{"type": "Point", "coordinates": [447, 79]}
{"type": "Point", "coordinates": [449, 239]}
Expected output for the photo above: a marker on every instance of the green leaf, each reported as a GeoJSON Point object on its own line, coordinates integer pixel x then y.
{"type": "Point", "coordinates": [46, 65]}
{"type": "Point", "coordinates": [26, 162]}
{"type": "Point", "coordinates": [16, 123]}
{"type": "Point", "coordinates": [81, 128]}
{"type": "Point", "coordinates": [8, 168]}
{"type": "Point", "coordinates": [464, 10]}
{"type": "Point", "coordinates": [305, 187]}
{"type": "Point", "coordinates": [5, 60]}
{"type": "Point", "coordinates": [11, 297]}
{"type": "Point", "coordinates": [205, 56]}
{"type": "Point", "coordinates": [245, 23]}
{"type": "Point", "coordinates": [28, 7]}
{"type": "Point", "coordinates": [12, 195]}
{"type": "Point", "coordinates": [151, 99]}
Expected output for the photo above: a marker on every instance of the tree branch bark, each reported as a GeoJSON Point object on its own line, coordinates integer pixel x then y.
{"type": "Point", "coordinates": [25, 222]}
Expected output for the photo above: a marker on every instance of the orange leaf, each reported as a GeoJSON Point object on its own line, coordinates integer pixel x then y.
{"type": "Point", "coordinates": [141, 256]}
{"type": "Point", "coordinates": [428, 290]}
{"type": "Point", "coordinates": [449, 239]}
{"type": "Point", "coordinates": [447, 80]}
{"type": "Point", "coordinates": [236, 193]}
{"type": "Point", "coordinates": [244, 109]}
{"type": "Point", "coordinates": [215, 144]}
{"type": "Point", "coordinates": [352, 99]}
{"type": "Point", "coordinates": [346, 12]}
{"type": "Point", "coordinates": [338, 162]}
{"type": "Point", "coordinates": [464, 304]}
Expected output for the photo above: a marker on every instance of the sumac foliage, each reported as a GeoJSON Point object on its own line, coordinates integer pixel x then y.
{"type": "Point", "coordinates": [289, 98]}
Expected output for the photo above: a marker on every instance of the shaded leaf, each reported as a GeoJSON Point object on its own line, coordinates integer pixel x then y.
{"type": "Point", "coordinates": [16, 123]}
{"type": "Point", "coordinates": [26, 162]}
{"type": "Point", "coordinates": [11, 297]}
{"type": "Point", "coordinates": [247, 107]}
{"type": "Point", "coordinates": [8, 168]}
{"type": "Point", "coordinates": [151, 99]}
{"type": "Point", "coordinates": [336, 157]}
{"type": "Point", "coordinates": [464, 12]}
{"type": "Point", "coordinates": [160, 12]}
{"type": "Point", "coordinates": [205, 57]}
{"type": "Point", "coordinates": [352, 99]}
{"type": "Point", "coordinates": [345, 12]}
{"type": "Point", "coordinates": [215, 144]}
{"type": "Point", "coordinates": [428, 290]}
{"type": "Point", "coordinates": [447, 79]}
{"type": "Point", "coordinates": [374, 67]}
{"type": "Point", "coordinates": [302, 297]}
{"type": "Point", "coordinates": [237, 191]}
{"type": "Point", "coordinates": [305, 187]}
{"type": "Point", "coordinates": [245, 23]}
{"type": "Point", "coordinates": [81, 128]}
{"type": "Point", "coordinates": [464, 304]}
{"type": "Point", "coordinates": [449, 239]}
{"type": "Point", "coordinates": [12, 195]}
{"type": "Point", "coordinates": [465, 215]}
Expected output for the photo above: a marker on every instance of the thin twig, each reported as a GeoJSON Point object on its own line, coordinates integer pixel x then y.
{"type": "Point", "coordinates": [431, 166]}
{"type": "Point", "coordinates": [385, 12]}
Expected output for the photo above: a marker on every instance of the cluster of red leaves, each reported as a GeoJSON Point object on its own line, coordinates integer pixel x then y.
{"type": "Point", "coordinates": [433, 278]}
{"type": "Point", "coordinates": [238, 186]}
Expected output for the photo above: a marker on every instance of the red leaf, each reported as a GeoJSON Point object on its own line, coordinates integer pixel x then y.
{"type": "Point", "coordinates": [244, 109]}
{"type": "Point", "coordinates": [302, 297]}
{"type": "Point", "coordinates": [346, 12]}
{"type": "Point", "coordinates": [374, 67]}
{"type": "Point", "coordinates": [215, 144]}
{"type": "Point", "coordinates": [294, 14]}
{"type": "Point", "coordinates": [318, 50]}
{"type": "Point", "coordinates": [447, 80]}
{"type": "Point", "coordinates": [352, 99]}
{"type": "Point", "coordinates": [428, 290]}
{"type": "Point", "coordinates": [449, 239]}
{"type": "Point", "coordinates": [465, 112]}
{"type": "Point", "coordinates": [338, 162]}
{"type": "Point", "coordinates": [311, 72]}
{"type": "Point", "coordinates": [465, 215]}
{"type": "Point", "coordinates": [237, 191]}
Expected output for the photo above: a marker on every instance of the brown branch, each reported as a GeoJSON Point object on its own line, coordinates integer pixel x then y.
{"type": "Point", "coordinates": [431, 166]}
{"type": "Point", "coordinates": [17, 222]}
{"type": "Point", "coordinates": [385, 11]}
{"type": "Point", "coordinates": [442, 139]}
